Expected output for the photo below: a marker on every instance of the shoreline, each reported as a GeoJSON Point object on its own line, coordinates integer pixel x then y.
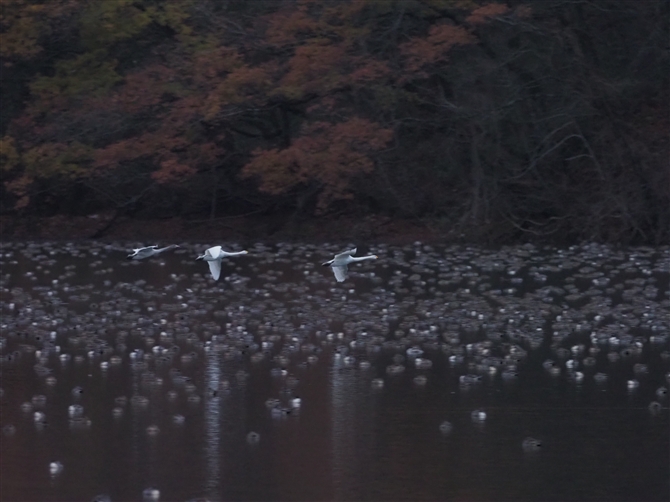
{"type": "Point", "coordinates": [236, 228]}
{"type": "Point", "coordinates": [105, 227]}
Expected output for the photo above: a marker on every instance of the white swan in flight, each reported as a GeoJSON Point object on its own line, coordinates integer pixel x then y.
{"type": "Point", "coordinates": [149, 251]}
{"type": "Point", "coordinates": [340, 262]}
{"type": "Point", "coordinates": [213, 257]}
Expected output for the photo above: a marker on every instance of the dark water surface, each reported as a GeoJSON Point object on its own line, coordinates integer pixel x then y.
{"type": "Point", "coordinates": [432, 373]}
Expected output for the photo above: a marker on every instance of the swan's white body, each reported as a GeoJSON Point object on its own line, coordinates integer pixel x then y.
{"type": "Point", "coordinates": [149, 251]}
{"type": "Point", "coordinates": [340, 263]}
{"type": "Point", "coordinates": [213, 257]}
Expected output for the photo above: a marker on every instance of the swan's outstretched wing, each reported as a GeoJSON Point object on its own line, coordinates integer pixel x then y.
{"type": "Point", "coordinates": [141, 253]}
{"type": "Point", "coordinates": [215, 268]}
{"type": "Point", "coordinates": [166, 248]}
{"type": "Point", "coordinates": [344, 254]}
{"type": "Point", "coordinates": [340, 272]}
{"type": "Point", "coordinates": [214, 252]}
{"type": "Point", "coordinates": [139, 250]}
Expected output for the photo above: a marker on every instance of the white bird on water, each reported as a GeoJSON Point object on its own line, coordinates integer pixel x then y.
{"type": "Point", "coordinates": [213, 257]}
{"type": "Point", "coordinates": [340, 262]}
{"type": "Point", "coordinates": [149, 251]}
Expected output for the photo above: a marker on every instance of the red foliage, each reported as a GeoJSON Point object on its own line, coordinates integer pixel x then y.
{"type": "Point", "coordinates": [315, 67]}
{"type": "Point", "coordinates": [144, 88]}
{"type": "Point", "coordinates": [331, 155]}
{"type": "Point", "coordinates": [371, 70]}
{"type": "Point", "coordinates": [290, 26]}
{"type": "Point", "coordinates": [172, 171]}
{"type": "Point", "coordinates": [486, 12]}
{"type": "Point", "coordinates": [311, 57]}
{"type": "Point", "coordinates": [420, 52]}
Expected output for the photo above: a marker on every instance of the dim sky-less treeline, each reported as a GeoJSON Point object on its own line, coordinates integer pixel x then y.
{"type": "Point", "coordinates": [502, 119]}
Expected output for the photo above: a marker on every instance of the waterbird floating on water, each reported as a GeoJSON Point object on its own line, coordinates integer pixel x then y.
{"type": "Point", "coordinates": [340, 262]}
{"type": "Point", "coordinates": [149, 251]}
{"type": "Point", "coordinates": [213, 257]}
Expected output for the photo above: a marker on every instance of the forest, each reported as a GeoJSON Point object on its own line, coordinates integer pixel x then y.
{"type": "Point", "coordinates": [502, 121]}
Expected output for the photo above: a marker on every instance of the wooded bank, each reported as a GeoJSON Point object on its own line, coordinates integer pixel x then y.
{"type": "Point", "coordinates": [499, 121]}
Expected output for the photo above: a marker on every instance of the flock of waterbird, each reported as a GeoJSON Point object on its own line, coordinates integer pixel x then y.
{"type": "Point", "coordinates": [591, 314]}
{"type": "Point", "coordinates": [214, 255]}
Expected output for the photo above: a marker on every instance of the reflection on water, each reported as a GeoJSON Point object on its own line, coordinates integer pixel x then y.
{"type": "Point", "coordinates": [149, 380]}
{"type": "Point", "coordinates": [213, 425]}
{"type": "Point", "coordinates": [353, 415]}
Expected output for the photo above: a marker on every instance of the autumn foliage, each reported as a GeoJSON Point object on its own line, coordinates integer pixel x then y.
{"type": "Point", "coordinates": [473, 111]}
{"type": "Point", "coordinates": [330, 156]}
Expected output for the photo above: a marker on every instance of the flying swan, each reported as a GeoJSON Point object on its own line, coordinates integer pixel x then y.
{"type": "Point", "coordinates": [340, 262]}
{"type": "Point", "coordinates": [213, 257]}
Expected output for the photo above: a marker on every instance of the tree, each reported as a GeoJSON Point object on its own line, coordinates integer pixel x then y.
{"type": "Point", "coordinates": [502, 119]}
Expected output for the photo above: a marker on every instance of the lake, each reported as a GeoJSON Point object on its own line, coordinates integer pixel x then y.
{"type": "Point", "coordinates": [432, 373]}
